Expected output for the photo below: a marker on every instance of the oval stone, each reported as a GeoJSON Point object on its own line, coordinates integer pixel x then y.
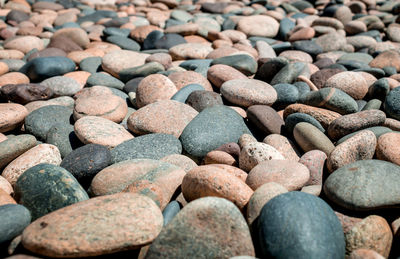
{"type": "Point", "coordinates": [294, 225]}
{"type": "Point", "coordinates": [13, 147]}
{"type": "Point", "coordinates": [200, 227]}
{"type": "Point", "coordinates": [11, 116]}
{"type": "Point", "coordinates": [101, 225]}
{"type": "Point", "coordinates": [309, 137]}
{"type": "Point", "coordinates": [45, 188]}
{"type": "Point", "coordinates": [388, 147]}
{"type": "Point", "coordinates": [14, 219]}
{"type": "Point", "coordinates": [254, 153]}
{"type": "Point", "coordinates": [352, 83]}
{"type": "Point", "coordinates": [365, 185]}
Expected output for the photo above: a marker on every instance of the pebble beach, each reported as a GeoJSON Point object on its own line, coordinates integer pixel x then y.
{"type": "Point", "coordinates": [182, 129]}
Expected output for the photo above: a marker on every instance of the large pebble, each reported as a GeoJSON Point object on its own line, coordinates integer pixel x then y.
{"type": "Point", "coordinates": [101, 225]}
{"type": "Point", "coordinates": [116, 61]}
{"type": "Point", "coordinates": [62, 85]}
{"type": "Point", "coordinates": [258, 25]}
{"type": "Point", "coordinates": [14, 219]}
{"type": "Point", "coordinates": [351, 83]}
{"type": "Point", "coordinates": [284, 145]}
{"type": "Point", "coordinates": [309, 137]}
{"type": "Point", "coordinates": [45, 188]}
{"type": "Point", "coordinates": [13, 147]}
{"type": "Point", "coordinates": [190, 232]}
{"type": "Point", "coordinates": [25, 93]}
{"type": "Point", "coordinates": [42, 68]}
{"type": "Point", "coordinates": [254, 153]}
{"type": "Point", "coordinates": [12, 115]}
{"type": "Point", "coordinates": [265, 118]}
{"type": "Point", "coordinates": [388, 147]}
{"type": "Point", "coordinates": [154, 88]}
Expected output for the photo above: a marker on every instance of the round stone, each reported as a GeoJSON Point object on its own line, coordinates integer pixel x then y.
{"type": "Point", "coordinates": [42, 68]}
{"type": "Point", "coordinates": [13, 147]}
{"type": "Point", "coordinates": [62, 85]}
{"type": "Point", "coordinates": [45, 188]}
{"type": "Point", "coordinates": [247, 92]}
{"type": "Point", "coordinates": [184, 78]}
{"type": "Point", "coordinates": [349, 82]}
{"type": "Point", "coordinates": [97, 130]}
{"type": "Point", "coordinates": [12, 115]}
{"type": "Point", "coordinates": [220, 73]}
{"type": "Point", "coordinates": [190, 51]}
{"type": "Point", "coordinates": [284, 145]}
{"type": "Point", "coordinates": [136, 222]}
{"type": "Point", "coordinates": [255, 153]}
{"type": "Point", "coordinates": [190, 232]}
{"type": "Point", "coordinates": [154, 88]}
{"type": "Point", "coordinates": [201, 100]}
{"type": "Point", "coordinates": [167, 116]}
{"type": "Point", "coordinates": [391, 104]}
{"type": "Point", "coordinates": [258, 25]}
{"type": "Point", "coordinates": [24, 43]}
{"type": "Point", "coordinates": [205, 181]}
{"type": "Point", "coordinates": [297, 117]}
{"type": "Point", "coordinates": [307, 219]}
{"type": "Point", "coordinates": [116, 61]}
{"type": "Point", "coordinates": [14, 219]}
{"type": "Point", "coordinates": [181, 161]}
{"type": "Point", "coordinates": [388, 147]}
{"type": "Point", "coordinates": [291, 175]}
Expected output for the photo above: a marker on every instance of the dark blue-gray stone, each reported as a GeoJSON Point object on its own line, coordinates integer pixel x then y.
{"type": "Point", "coordinates": [244, 63]}
{"type": "Point", "coordinates": [105, 80]}
{"type": "Point", "coordinates": [392, 103]}
{"type": "Point", "coordinates": [287, 94]}
{"type": "Point", "coordinates": [379, 89]}
{"type": "Point", "coordinates": [41, 68]}
{"type": "Point", "coordinates": [199, 100]}
{"type": "Point", "coordinates": [301, 5]}
{"type": "Point", "coordinates": [40, 121]}
{"type": "Point", "coordinates": [90, 64]}
{"type": "Point", "coordinates": [294, 118]}
{"type": "Point", "coordinates": [308, 46]}
{"type": "Point", "coordinates": [172, 22]}
{"type": "Point", "coordinates": [228, 24]}
{"type": "Point", "coordinates": [85, 162]}
{"type": "Point", "coordinates": [289, 73]}
{"type": "Point", "coordinates": [197, 65]}
{"type": "Point", "coordinates": [373, 104]}
{"type": "Point", "coordinates": [365, 185]}
{"type": "Point", "coordinates": [377, 130]}
{"type": "Point", "coordinates": [332, 99]}
{"type": "Point", "coordinates": [152, 146]}
{"type": "Point", "coordinates": [211, 128]}
{"type": "Point", "coordinates": [270, 68]}
{"type": "Point", "coordinates": [151, 38]}
{"type": "Point", "coordinates": [116, 22]}
{"type": "Point", "coordinates": [169, 40]}
{"type": "Point", "coordinates": [170, 211]}
{"type": "Point", "coordinates": [132, 84]}
{"type": "Point", "coordinates": [124, 42]}
{"type": "Point", "coordinates": [389, 71]}
{"type": "Point", "coordinates": [97, 16]}
{"type": "Point", "coordinates": [300, 225]}
{"type": "Point", "coordinates": [285, 26]}
{"type": "Point", "coordinates": [302, 87]}
{"type": "Point", "coordinates": [140, 71]}
{"type": "Point", "coordinates": [45, 188]}
{"type": "Point", "coordinates": [184, 92]}
{"type": "Point", "coordinates": [14, 219]}
{"type": "Point", "coordinates": [63, 137]}
{"type": "Point", "coordinates": [113, 31]}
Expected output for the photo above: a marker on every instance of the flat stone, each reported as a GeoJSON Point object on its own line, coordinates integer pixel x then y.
{"type": "Point", "coordinates": [349, 82]}
{"type": "Point", "coordinates": [308, 137]}
{"type": "Point", "coordinates": [45, 188]}
{"type": "Point", "coordinates": [15, 218]}
{"type": "Point", "coordinates": [201, 100]}
{"type": "Point", "coordinates": [42, 153]}
{"type": "Point", "coordinates": [248, 92]}
{"type": "Point", "coordinates": [137, 222]}
{"type": "Point", "coordinates": [152, 146]}
{"type": "Point", "coordinates": [12, 115]}
{"type": "Point", "coordinates": [141, 71]}
{"type": "Point", "coordinates": [220, 73]}
{"type": "Point", "coordinates": [62, 85]}
{"type": "Point", "coordinates": [13, 147]}
{"type": "Point", "coordinates": [25, 93]}
{"type": "Point", "coordinates": [105, 80]}
{"type": "Point", "coordinates": [167, 116]}
{"type": "Point", "coordinates": [305, 226]}
{"type": "Point", "coordinates": [284, 145]}
{"type": "Point", "coordinates": [244, 63]}
{"type": "Point", "coordinates": [387, 148]}
{"type": "Point", "coordinates": [258, 25]}
{"type": "Point", "coordinates": [388, 58]}
{"type": "Point", "coordinates": [24, 43]}
{"type": "Point", "coordinates": [41, 68]}
{"type": "Point", "coordinates": [154, 88]}
{"type": "Point", "coordinates": [210, 129]}
{"type": "Point", "coordinates": [190, 51]}
{"type": "Point", "coordinates": [364, 185]}
{"type": "Point", "coordinates": [207, 234]}
{"type": "Point", "coordinates": [77, 35]}
{"type": "Point", "coordinates": [297, 117]}
{"type": "Point", "coordinates": [96, 130]}
{"type": "Point", "coordinates": [116, 61]}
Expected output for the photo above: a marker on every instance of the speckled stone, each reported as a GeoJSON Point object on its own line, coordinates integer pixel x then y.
{"type": "Point", "coordinates": [365, 253]}
{"type": "Point", "coordinates": [244, 63]}
{"type": "Point", "coordinates": [314, 160]}
{"type": "Point", "coordinates": [40, 121]}
{"type": "Point", "coordinates": [247, 92]}
{"type": "Point", "coordinates": [181, 161]}
{"type": "Point", "coordinates": [351, 83]}
{"type": "Point", "coordinates": [220, 73]}
{"type": "Point", "coordinates": [154, 88]}
{"type": "Point", "coordinates": [42, 153]}
{"type": "Point", "coordinates": [287, 94]}
{"type": "Point", "coordinates": [307, 219]}
{"type": "Point", "coordinates": [45, 188]}
{"type": "Point", "coordinates": [308, 137]}
{"type": "Point", "coordinates": [391, 104]}
{"type": "Point", "coordinates": [6, 186]}
{"type": "Point", "coordinates": [219, 157]}
{"type": "Point", "coordinates": [284, 145]}
{"type": "Point", "coordinates": [62, 85]}
{"type": "Point", "coordinates": [64, 138]}
{"type": "Point", "coordinates": [86, 161]}
{"type": "Point", "coordinates": [190, 51]}
{"type": "Point", "coordinates": [359, 147]}
{"type": "Point", "coordinates": [184, 78]}
{"type": "Point", "coordinates": [14, 219]}
{"type": "Point", "coordinates": [211, 128]}
{"type": "Point", "coordinates": [291, 175]}
{"type": "Point", "coordinates": [205, 181]}
{"type": "Point", "coordinates": [260, 197]}
{"type": "Point", "coordinates": [255, 153]}
{"type": "Point", "coordinates": [127, 221]}
{"type": "Point", "coordinates": [201, 100]}
{"type": "Point", "coordinates": [96, 130]}
{"type": "Point", "coordinates": [13, 147]}
{"type": "Point", "coordinates": [166, 116]}
{"type": "Point", "coordinates": [152, 146]}
{"type": "Point", "coordinates": [12, 115]}
{"type": "Point", "coordinates": [364, 185]}
{"type": "Point", "coordinates": [377, 130]}
{"type": "Point", "coordinates": [191, 231]}
{"type": "Point", "coordinates": [388, 147]}
{"type": "Point", "coordinates": [352, 122]}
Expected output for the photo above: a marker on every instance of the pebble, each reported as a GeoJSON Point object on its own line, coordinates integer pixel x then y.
{"type": "Point", "coordinates": [220, 73]}
{"type": "Point", "coordinates": [45, 188]}
{"type": "Point", "coordinates": [200, 100]}
{"type": "Point", "coordinates": [12, 115]}
{"type": "Point", "coordinates": [307, 219]}
{"type": "Point", "coordinates": [190, 51]}
{"type": "Point", "coordinates": [42, 153]}
{"type": "Point", "coordinates": [26, 93]}
{"type": "Point", "coordinates": [387, 147]}
{"type": "Point", "coordinates": [314, 160]}
{"type": "Point", "coordinates": [154, 88]}
{"type": "Point", "coordinates": [181, 161]}
{"type": "Point", "coordinates": [184, 78]}
{"type": "Point", "coordinates": [193, 232]}
{"type": "Point", "coordinates": [137, 222]}
{"type": "Point", "coordinates": [255, 153]}
{"type": "Point", "coordinates": [13, 147]}
{"type": "Point", "coordinates": [349, 82]}
{"type": "Point", "coordinates": [364, 185]}
{"type": "Point", "coordinates": [284, 145]}
{"type": "Point", "coordinates": [258, 25]}
{"type": "Point", "coordinates": [15, 218]}
{"type": "Point", "coordinates": [97, 130]}
{"type": "Point", "coordinates": [308, 137]}
{"type": "Point", "coordinates": [62, 85]}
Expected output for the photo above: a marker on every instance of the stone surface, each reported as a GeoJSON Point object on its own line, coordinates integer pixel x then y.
{"type": "Point", "coordinates": [255, 153]}
{"type": "Point", "coordinates": [387, 147]}
{"type": "Point", "coordinates": [364, 185]}
{"type": "Point", "coordinates": [308, 137]}
{"type": "Point", "coordinates": [13, 147]}
{"type": "Point", "coordinates": [154, 88]}
{"type": "Point", "coordinates": [351, 83]}
{"type": "Point", "coordinates": [137, 222]}
{"type": "Point", "coordinates": [15, 218]}
{"type": "Point", "coordinates": [12, 115]}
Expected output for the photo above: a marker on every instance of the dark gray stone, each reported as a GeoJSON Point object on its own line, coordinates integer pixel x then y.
{"type": "Point", "coordinates": [211, 128]}
{"type": "Point", "coordinates": [197, 65]}
{"type": "Point", "coordinates": [244, 63]}
{"type": "Point", "coordinates": [270, 68]}
{"type": "Point", "coordinates": [41, 68]}
{"type": "Point", "coordinates": [152, 146]}
{"type": "Point", "coordinates": [308, 46]}
{"type": "Point", "coordinates": [379, 89]}
{"type": "Point", "coordinates": [365, 185]}
{"type": "Point", "coordinates": [124, 42]}
{"type": "Point", "coordinates": [287, 94]}
{"type": "Point", "coordinates": [14, 219]}
{"type": "Point", "coordinates": [289, 73]}
{"type": "Point", "coordinates": [132, 85]}
{"type": "Point", "coordinates": [152, 37]}
{"type": "Point", "coordinates": [85, 162]}
{"type": "Point", "coordinates": [45, 188]}
{"type": "Point", "coordinates": [300, 225]}
{"type": "Point", "coordinates": [285, 26]}
{"type": "Point", "coordinates": [200, 99]}
{"type": "Point", "coordinates": [113, 31]}
{"type": "Point", "coordinates": [104, 79]}
{"type": "Point", "coordinates": [373, 104]}
{"type": "Point", "coordinates": [140, 71]}
{"type": "Point", "coordinates": [184, 92]}
{"type": "Point", "coordinates": [15, 146]}
{"type": "Point", "coordinates": [63, 137]}
{"type": "Point", "coordinates": [40, 121]}
{"type": "Point", "coordinates": [169, 40]}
